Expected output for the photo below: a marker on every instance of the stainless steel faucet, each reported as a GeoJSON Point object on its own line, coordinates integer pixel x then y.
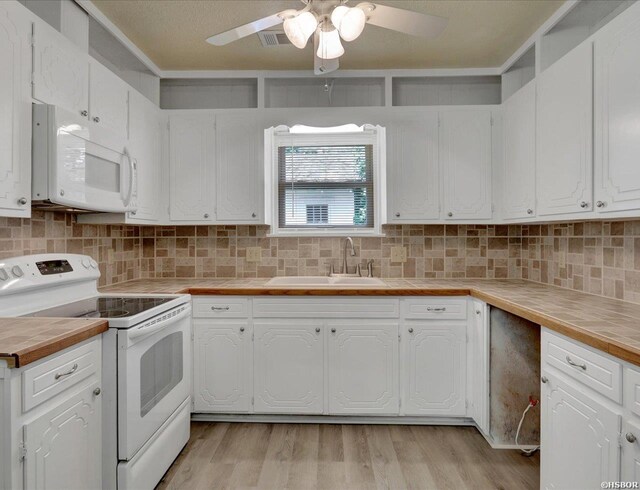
{"type": "Point", "coordinates": [348, 241]}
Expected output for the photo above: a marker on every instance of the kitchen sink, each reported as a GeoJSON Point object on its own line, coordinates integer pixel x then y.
{"type": "Point", "coordinates": [336, 281]}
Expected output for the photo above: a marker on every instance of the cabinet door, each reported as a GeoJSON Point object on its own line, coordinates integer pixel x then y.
{"type": "Point", "coordinates": [519, 161]}
{"type": "Point", "coordinates": [15, 107]}
{"type": "Point", "coordinates": [579, 438]}
{"type": "Point", "coordinates": [145, 145]}
{"type": "Point", "coordinates": [222, 366]}
{"type": "Point", "coordinates": [413, 178]}
{"type": "Point", "coordinates": [465, 156]}
{"type": "Point", "coordinates": [564, 134]}
{"type": "Point", "coordinates": [617, 112]}
{"type": "Point", "coordinates": [191, 161]}
{"type": "Point", "coordinates": [108, 100]}
{"type": "Point", "coordinates": [630, 450]}
{"type": "Point", "coordinates": [363, 368]}
{"type": "Point", "coordinates": [60, 71]}
{"type": "Point", "coordinates": [434, 368]}
{"type": "Point", "coordinates": [239, 168]}
{"type": "Point", "coordinates": [288, 367]}
{"type": "Point", "coordinates": [64, 446]}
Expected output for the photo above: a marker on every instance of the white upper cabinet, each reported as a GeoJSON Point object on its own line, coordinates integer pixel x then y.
{"type": "Point", "coordinates": [15, 107]}
{"type": "Point", "coordinates": [617, 112]}
{"type": "Point", "coordinates": [519, 157]}
{"type": "Point", "coordinates": [108, 99]}
{"type": "Point", "coordinates": [239, 168]}
{"type": "Point", "coordinates": [145, 146]}
{"type": "Point", "coordinates": [60, 71]}
{"type": "Point", "coordinates": [564, 134]}
{"type": "Point", "coordinates": [363, 368]}
{"type": "Point", "coordinates": [466, 158]}
{"type": "Point", "coordinates": [192, 167]}
{"type": "Point", "coordinates": [413, 181]}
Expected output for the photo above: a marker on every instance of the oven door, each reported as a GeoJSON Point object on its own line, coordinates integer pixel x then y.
{"type": "Point", "coordinates": [154, 360]}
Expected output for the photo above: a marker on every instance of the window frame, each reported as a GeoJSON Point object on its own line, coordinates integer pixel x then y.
{"type": "Point", "coordinates": [369, 135]}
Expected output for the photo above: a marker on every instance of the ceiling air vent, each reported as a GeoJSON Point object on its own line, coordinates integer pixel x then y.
{"type": "Point", "coordinates": [273, 38]}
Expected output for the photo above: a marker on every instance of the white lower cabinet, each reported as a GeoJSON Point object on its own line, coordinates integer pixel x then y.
{"type": "Point", "coordinates": [63, 447]}
{"type": "Point", "coordinates": [434, 368]}
{"type": "Point", "coordinates": [363, 368]}
{"type": "Point", "coordinates": [222, 366]}
{"type": "Point", "coordinates": [288, 367]}
{"type": "Point", "coordinates": [580, 447]}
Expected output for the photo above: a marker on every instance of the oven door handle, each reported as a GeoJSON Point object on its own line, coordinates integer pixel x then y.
{"type": "Point", "coordinates": [165, 320]}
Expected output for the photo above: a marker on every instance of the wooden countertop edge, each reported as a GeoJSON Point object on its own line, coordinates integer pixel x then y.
{"type": "Point", "coordinates": [609, 346]}
{"type": "Point", "coordinates": [47, 347]}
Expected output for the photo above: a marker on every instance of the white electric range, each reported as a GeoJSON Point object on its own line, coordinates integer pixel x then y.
{"type": "Point", "coordinates": [146, 359]}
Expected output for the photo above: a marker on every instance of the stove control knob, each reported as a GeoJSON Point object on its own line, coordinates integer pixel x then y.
{"type": "Point", "coordinates": [17, 271]}
{"type": "Point", "coordinates": [3, 275]}
{"type": "Point", "coordinates": [94, 264]}
{"type": "Point", "coordinates": [85, 263]}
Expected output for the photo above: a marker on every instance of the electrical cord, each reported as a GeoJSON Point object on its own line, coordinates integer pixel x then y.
{"type": "Point", "coordinates": [527, 452]}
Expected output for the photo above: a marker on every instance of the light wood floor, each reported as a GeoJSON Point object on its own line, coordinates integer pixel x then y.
{"type": "Point", "coordinates": [307, 456]}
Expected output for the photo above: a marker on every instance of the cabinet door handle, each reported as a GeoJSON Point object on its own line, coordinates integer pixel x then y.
{"type": "Point", "coordinates": [529, 211]}
{"type": "Point", "coordinates": [96, 119]}
{"type": "Point", "coordinates": [97, 391]}
{"type": "Point", "coordinates": [67, 373]}
{"type": "Point", "coordinates": [333, 330]}
{"type": "Point", "coordinates": [253, 215]}
{"type": "Point", "coordinates": [600, 204]}
{"type": "Point", "coordinates": [397, 215]}
{"type": "Point", "coordinates": [220, 308]}
{"type": "Point", "coordinates": [241, 329]}
{"type": "Point", "coordinates": [84, 113]}
{"type": "Point", "coordinates": [411, 330]}
{"type": "Point", "coordinates": [436, 309]}
{"type": "Point", "coordinates": [584, 204]}
{"type": "Point", "coordinates": [630, 437]}
{"type": "Point", "coordinates": [450, 214]}
{"type": "Point", "coordinates": [575, 364]}
{"type": "Point", "coordinates": [544, 379]}
{"type": "Point", "coordinates": [206, 215]}
{"type": "Point", "coordinates": [317, 329]}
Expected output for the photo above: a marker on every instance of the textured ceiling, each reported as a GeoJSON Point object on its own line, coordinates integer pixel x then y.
{"type": "Point", "coordinates": [480, 33]}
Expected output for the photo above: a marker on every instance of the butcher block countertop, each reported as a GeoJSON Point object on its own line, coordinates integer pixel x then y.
{"type": "Point", "coordinates": [25, 340]}
{"type": "Point", "coordinates": [609, 325]}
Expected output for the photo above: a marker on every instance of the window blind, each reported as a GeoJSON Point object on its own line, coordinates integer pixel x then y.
{"type": "Point", "coordinates": [325, 186]}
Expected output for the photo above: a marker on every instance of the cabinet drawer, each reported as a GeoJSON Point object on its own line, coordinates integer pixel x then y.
{"type": "Point", "coordinates": [436, 308]}
{"type": "Point", "coordinates": [596, 371]}
{"type": "Point", "coordinates": [221, 307]}
{"type": "Point", "coordinates": [329, 307]}
{"type": "Point", "coordinates": [46, 380]}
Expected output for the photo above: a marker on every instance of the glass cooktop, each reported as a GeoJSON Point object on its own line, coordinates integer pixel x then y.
{"type": "Point", "coordinates": [103, 307]}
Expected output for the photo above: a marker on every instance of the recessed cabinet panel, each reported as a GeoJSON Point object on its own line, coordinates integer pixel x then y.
{"type": "Point", "coordinates": [579, 438]}
{"type": "Point", "coordinates": [60, 71]}
{"type": "Point", "coordinates": [617, 112]}
{"type": "Point", "coordinates": [15, 107]}
{"type": "Point", "coordinates": [222, 366]}
{"type": "Point", "coordinates": [108, 100]}
{"type": "Point", "coordinates": [363, 368]}
{"type": "Point", "coordinates": [192, 167]}
{"type": "Point", "coordinates": [519, 161]}
{"type": "Point", "coordinates": [64, 445]}
{"type": "Point", "coordinates": [289, 367]}
{"type": "Point", "coordinates": [564, 134]}
{"type": "Point", "coordinates": [434, 368]}
{"type": "Point", "coordinates": [240, 168]}
{"type": "Point", "coordinates": [465, 156]}
{"type": "Point", "coordinates": [630, 451]}
{"type": "Point", "coordinates": [412, 169]}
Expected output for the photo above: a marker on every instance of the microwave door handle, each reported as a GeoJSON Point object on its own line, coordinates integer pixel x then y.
{"type": "Point", "coordinates": [127, 199]}
{"type": "Point", "coordinates": [149, 328]}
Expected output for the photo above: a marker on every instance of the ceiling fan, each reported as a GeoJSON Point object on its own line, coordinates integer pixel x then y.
{"type": "Point", "coordinates": [331, 20]}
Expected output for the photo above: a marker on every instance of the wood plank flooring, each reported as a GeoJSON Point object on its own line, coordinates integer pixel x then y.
{"type": "Point", "coordinates": [311, 456]}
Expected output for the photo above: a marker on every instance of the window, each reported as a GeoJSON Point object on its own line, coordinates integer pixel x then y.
{"type": "Point", "coordinates": [317, 214]}
{"type": "Point", "coordinates": [325, 183]}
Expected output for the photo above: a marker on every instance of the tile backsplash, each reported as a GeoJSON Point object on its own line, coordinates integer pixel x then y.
{"type": "Point", "coordinates": [598, 257]}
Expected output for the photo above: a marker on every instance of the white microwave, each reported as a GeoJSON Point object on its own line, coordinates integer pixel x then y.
{"type": "Point", "coordinates": [78, 165]}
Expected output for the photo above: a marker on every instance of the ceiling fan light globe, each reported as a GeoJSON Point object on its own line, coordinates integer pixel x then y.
{"type": "Point", "coordinates": [338, 14]}
{"type": "Point", "coordinates": [299, 28]}
{"type": "Point", "coordinates": [329, 45]}
{"type": "Point", "coordinates": [352, 24]}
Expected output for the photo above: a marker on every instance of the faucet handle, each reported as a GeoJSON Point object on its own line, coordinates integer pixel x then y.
{"type": "Point", "coordinates": [358, 270]}
{"type": "Point", "coordinates": [370, 268]}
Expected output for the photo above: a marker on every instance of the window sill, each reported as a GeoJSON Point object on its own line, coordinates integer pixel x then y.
{"type": "Point", "coordinates": [325, 234]}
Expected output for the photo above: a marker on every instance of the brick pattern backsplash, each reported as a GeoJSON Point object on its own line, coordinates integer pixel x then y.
{"type": "Point", "coordinates": [598, 257]}
{"type": "Point", "coordinates": [116, 248]}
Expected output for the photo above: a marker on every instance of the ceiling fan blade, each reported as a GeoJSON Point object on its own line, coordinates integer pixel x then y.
{"type": "Point", "coordinates": [320, 66]}
{"type": "Point", "coordinates": [245, 30]}
{"type": "Point", "coordinates": [414, 23]}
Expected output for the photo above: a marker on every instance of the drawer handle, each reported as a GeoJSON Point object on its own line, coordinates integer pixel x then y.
{"type": "Point", "coordinates": [70, 371]}
{"type": "Point", "coordinates": [438, 309]}
{"type": "Point", "coordinates": [241, 329]}
{"type": "Point", "coordinates": [630, 437]}
{"type": "Point", "coordinates": [220, 308]}
{"type": "Point", "coordinates": [575, 364]}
